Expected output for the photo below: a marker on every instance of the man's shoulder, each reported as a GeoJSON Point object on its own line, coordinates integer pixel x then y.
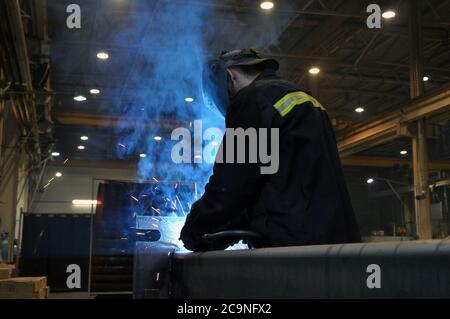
{"type": "Point", "coordinates": [270, 90]}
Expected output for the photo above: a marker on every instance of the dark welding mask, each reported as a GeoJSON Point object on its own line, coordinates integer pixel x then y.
{"type": "Point", "coordinates": [216, 82]}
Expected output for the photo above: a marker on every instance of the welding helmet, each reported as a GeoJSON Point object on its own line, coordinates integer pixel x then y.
{"type": "Point", "coordinates": [215, 84]}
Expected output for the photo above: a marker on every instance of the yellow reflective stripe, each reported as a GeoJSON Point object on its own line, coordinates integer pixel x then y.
{"type": "Point", "coordinates": [285, 105]}
{"type": "Point", "coordinates": [288, 97]}
{"type": "Point", "coordinates": [291, 105]}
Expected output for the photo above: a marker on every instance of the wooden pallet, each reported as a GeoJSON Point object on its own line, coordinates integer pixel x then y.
{"type": "Point", "coordinates": [6, 271]}
{"type": "Point", "coordinates": [24, 288]}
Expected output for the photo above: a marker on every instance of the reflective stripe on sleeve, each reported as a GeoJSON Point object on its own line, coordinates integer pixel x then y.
{"type": "Point", "coordinates": [287, 103]}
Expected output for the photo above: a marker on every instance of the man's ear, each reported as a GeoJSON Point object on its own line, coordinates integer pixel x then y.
{"type": "Point", "coordinates": [231, 80]}
{"type": "Point", "coordinates": [231, 75]}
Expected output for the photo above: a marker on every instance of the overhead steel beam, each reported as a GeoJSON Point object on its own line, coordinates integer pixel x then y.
{"type": "Point", "coordinates": [97, 164]}
{"type": "Point", "coordinates": [253, 9]}
{"type": "Point", "coordinates": [360, 161]}
{"type": "Point", "coordinates": [99, 119]}
{"type": "Point", "coordinates": [375, 161]}
{"type": "Point", "coordinates": [316, 38]}
{"type": "Point", "coordinates": [392, 124]}
{"type": "Point", "coordinates": [334, 62]}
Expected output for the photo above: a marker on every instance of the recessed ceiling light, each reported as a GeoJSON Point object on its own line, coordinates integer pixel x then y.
{"type": "Point", "coordinates": [103, 55]}
{"type": "Point", "coordinates": [314, 70]}
{"type": "Point", "coordinates": [370, 181]}
{"type": "Point", "coordinates": [267, 5]}
{"type": "Point", "coordinates": [94, 91]}
{"type": "Point", "coordinates": [359, 110]}
{"type": "Point", "coordinates": [389, 14]}
{"type": "Point", "coordinates": [143, 155]}
{"type": "Point", "coordinates": [55, 154]}
{"type": "Point", "coordinates": [189, 99]}
{"type": "Point", "coordinates": [404, 152]}
{"type": "Point", "coordinates": [80, 98]}
{"type": "Point", "coordinates": [58, 174]}
{"type": "Point", "coordinates": [157, 138]}
{"type": "Point", "coordinates": [81, 147]}
{"type": "Point", "coordinates": [425, 78]}
{"type": "Point", "coordinates": [84, 138]}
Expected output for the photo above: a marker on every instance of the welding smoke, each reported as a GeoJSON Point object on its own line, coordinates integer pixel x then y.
{"type": "Point", "coordinates": [166, 68]}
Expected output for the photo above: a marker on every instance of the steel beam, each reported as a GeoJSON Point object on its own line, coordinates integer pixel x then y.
{"type": "Point", "coordinates": [390, 125]}
{"type": "Point", "coordinates": [419, 138]}
{"type": "Point", "coordinates": [372, 161]}
{"type": "Point", "coordinates": [99, 119]}
{"type": "Point", "coordinates": [360, 161]}
{"type": "Point", "coordinates": [405, 269]}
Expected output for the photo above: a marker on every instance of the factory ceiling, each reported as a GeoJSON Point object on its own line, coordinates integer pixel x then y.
{"type": "Point", "coordinates": [359, 67]}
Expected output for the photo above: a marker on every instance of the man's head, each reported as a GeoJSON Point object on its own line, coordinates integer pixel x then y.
{"type": "Point", "coordinates": [241, 76]}
{"type": "Point", "coordinates": [232, 71]}
{"type": "Point", "coordinates": [243, 67]}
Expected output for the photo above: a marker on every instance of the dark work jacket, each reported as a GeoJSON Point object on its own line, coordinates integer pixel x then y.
{"type": "Point", "coordinates": [305, 203]}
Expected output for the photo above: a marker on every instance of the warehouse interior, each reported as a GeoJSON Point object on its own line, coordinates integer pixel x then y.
{"type": "Point", "coordinates": [87, 112]}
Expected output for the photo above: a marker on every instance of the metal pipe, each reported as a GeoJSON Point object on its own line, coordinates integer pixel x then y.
{"type": "Point", "coordinates": [402, 269]}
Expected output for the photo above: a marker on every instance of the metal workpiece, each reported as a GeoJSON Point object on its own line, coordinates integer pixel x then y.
{"type": "Point", "coordinates": [152, 265]}
{"type": "Point", "coordinates": [415, 269]}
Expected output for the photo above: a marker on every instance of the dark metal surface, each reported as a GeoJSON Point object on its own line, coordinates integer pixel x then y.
{"type": "Point", "coordinates": [418, 269]}
{"type": "Point", "coordinates": [151, 276]}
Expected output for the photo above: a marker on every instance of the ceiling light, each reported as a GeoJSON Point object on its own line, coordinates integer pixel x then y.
{"type": "Point", "coordinates": [370, 181]}
{"type": "Point", "coordinates": [198, 156]}
{"type": "Point", "coordinates": [143, 155]}
{"type": "Point", "coordinates": [425, 78]}
{"type": "Point", "coordinates": [389, 14]}
{"type": "Point", "coordinates": [157, 138]}
{"type": "Point", "coordinates": [103, 55]}
{"type": "Point", "coordinates": [94, 91]}
{"type": "Point", "coordinates": [80, 98]}
{"type": "Point", "coordinates": [55, 154]}
{"type": "Point", "coordinates": [58, 174]}
{"type": "Point", "coordinates": [85, 202]}
{"type": "Point", "coordinates": [359, 110]}
{"type": "Point", "coordinates": [404, 152]}
{"type": "Point", "coordinates": [267, 5]}
{"type": "Point", "coordinates": [314, 70]}
{"type": "Point", "coordinates": [81, 147]}
{"type": "Point", "coordinates": [84, 138]}
{"type": "Point", "coordinates": [189, 99]}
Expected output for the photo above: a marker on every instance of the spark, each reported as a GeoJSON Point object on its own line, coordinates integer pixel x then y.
{"type": "Point", "coordinates": [156, 210]}
{"type": "Point", "coordinates": [155, 180]}
{"type": "Point", "coordinates": [65, 161]}
{"type": "Point", "coordinates": [184, 213]}
{"type": "Point", "coordinates": [121, 145]}
{"type": "Point", "coordinates": [195, 190]}
{"type": "Point", "coordinates": [137, 200]}
{"type": "Point", "coordinates": [48, 183]}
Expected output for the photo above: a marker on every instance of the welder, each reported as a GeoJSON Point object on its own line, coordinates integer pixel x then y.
{"type": "Point", "coordinates": [306, 202]}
